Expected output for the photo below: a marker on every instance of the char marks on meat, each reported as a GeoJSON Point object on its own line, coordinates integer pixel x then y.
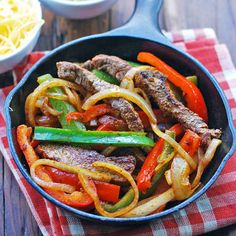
{"type": "Point", "coordinates": [113, 65]}
{"type": "Point", "coordinates": [76, 156]}
{"type": "Point", "coordinates": [153, 83]}
{"type": "Point", "coordinates": [91, 83]}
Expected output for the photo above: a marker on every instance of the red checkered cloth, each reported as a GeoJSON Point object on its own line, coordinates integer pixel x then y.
{"type": "Point", "coordinates": [213, 210]}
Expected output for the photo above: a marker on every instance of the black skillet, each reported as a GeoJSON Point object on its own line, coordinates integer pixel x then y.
{"type": "Point", "coordinates": [141, 33]}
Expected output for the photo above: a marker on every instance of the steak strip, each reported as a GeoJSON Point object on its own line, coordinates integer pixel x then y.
{"type": "Point", "coordinates": [76, 156]}
{"type": "Point", "coordinates": [91, 83]}
{"type": "Point", "coordinates": [113, 65]}
{"type": "Point", "coordinates": [154, 84]}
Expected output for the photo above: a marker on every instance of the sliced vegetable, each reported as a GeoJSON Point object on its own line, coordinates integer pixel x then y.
{"type": "Point", "coordinates": [92, 137]}
{"type": "Point", "coordinates": [60, 105]}
{"type": "Point", "coordinates": [205, 159]}
{"type": "Point", "coordinates": [166, 152]}
{"type": "Point", "coordinates": [92, 113]}
{"type": "Point", "coordinates": [106, 191]}
{"type": "Point", "coordinates": [178, 148]}
{"type": "Point", "coordinates": [105, 76]}
{"type": "Point", "coordinates": [123, 202]}
{"type": "Point", "coordinates": [76, 199]}
{"type": "Point", "coordinates": [190, 142]}
{"type": "Point", "coordinates": [150, 163]}
{"type": "Point", "coordinates": [180, 169]}
{"type": "Point", "coordinates": [150, 206]}
{"type": "Point", "coordinates": [154, 184]}
{"type": "Point", "coordinates": [194, 98]}
{"type": "Point", "coordinates": [23, 136]}
{"type": "Point", "coordinates": [193, 79]}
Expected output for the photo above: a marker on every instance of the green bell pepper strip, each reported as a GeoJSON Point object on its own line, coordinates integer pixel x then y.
{"type": "Point", "coordinates": [61, 106]}
{"type": "Point", "coordinates": [167, 150]}
{"type": "Point", "coordinates": [123, 202]}
{"type": "Point", "coordinates": [121, 139]}
{"type": "Point", "coordinates": [109, 78]}
{"type": "Point", "coordinates": [105, 76]}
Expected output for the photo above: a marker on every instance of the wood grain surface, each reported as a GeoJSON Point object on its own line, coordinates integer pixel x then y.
{"type": "Point", "coordinates": [15, 216]}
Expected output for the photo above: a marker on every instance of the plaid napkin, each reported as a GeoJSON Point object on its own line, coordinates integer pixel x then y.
{"type": "Point", "coordinates": [213, 210]}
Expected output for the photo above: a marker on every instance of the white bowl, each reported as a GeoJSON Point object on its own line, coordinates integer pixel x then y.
{"type": "Point", "coordinates": [9, 61]}
{"type": "Point", "coordinates": [78, 9]}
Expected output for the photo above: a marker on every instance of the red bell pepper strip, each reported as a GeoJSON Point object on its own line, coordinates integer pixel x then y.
{"type": "Point", "coordinates": [148, 168]}
{"type": "Point", "coordinates": [106, 191]}
{"type": "Point", "coordinates": [190, 142]}
{"type": "Point", "coordinates": [106, 127]}
{"type": "Point", "coordinates": [78, 199]}
{"type": "Point", "coordinates": [159, 116]}
{"type": "Point", "coordinates": [193, 96]}
{"type": "Point", "coordinates": [90, 114]}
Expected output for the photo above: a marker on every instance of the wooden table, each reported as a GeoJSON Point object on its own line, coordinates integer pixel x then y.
{"type": "Point", "coordinates": [15, 216]}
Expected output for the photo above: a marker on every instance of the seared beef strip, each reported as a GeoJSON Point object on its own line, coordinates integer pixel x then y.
{"type": "Point", "coordinates": [91, 83]}
{"type": "Point", "coordinates": [83, 158]}
{"type": "Point", "coordinates": [113, 65]}
{"type": "Point", "coordinates": [153, 83]}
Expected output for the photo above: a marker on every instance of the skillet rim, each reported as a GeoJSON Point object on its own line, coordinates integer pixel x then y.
{"type": "Point", "coordinates": [98, 218]}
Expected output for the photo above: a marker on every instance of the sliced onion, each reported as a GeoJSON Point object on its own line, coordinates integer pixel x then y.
{"type": "Point", "coordinates": [47, 110]}
{"type": "Point", "coordinates": [175, 145]}
{"type": "Point", "coordinates": [49, 185]}
{"type": "Point", "coordinates": [150, 206]}
{"type": "Point", "coordinates": [128, 84]}
{"type": "Point", "coordinates": [180, 172]}
{"type": "Point", "coordinates": [93, 194]}
{"type": "Point", "coordinates": [205, 159]}
{"type": "Point", "coordinates": [30, 108]}
{"type": "Point", "coordinates": [74, 169]}
{"type": "Point", "coordinates": [168, 177]}
{"type": "Point", "coordinates": [78, 102]}
{"type": "Point", "coordinates": [144, 95]}
{"type": "Point", "coordinates": [119, 92]}
{"type": "Point", "coordinates": [57, 96]}
{"type": "Point", "coordinates": [162, 163]}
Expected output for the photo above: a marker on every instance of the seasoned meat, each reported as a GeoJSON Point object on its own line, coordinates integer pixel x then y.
{"type": "Point", "coordinates": [88, 65]}
{"type": "Point", "coordinates": [83, 158]}
{"type": "Point", "coordinates": [153, 83]}
{"type": "Point", "coordinates": [91, 83]}
{"type": "Point", "coordinates": [113, 65]}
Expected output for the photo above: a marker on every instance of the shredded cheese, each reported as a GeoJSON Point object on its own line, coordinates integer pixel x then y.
{"type": "Point", "coordinates": [19, 20]}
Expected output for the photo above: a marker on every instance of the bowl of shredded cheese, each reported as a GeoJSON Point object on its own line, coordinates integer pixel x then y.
{"type": "Point", "coordinates": [20, 24]}
{"type": "Point", "coordinates": [78, 9]}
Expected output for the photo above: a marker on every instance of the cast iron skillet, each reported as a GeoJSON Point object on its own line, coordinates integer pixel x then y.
{"type": "Point", "coordinates": [140, 34]}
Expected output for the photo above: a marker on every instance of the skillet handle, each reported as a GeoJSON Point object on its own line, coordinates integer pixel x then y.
{"type": "Point", "coordinates": [144, 22]}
